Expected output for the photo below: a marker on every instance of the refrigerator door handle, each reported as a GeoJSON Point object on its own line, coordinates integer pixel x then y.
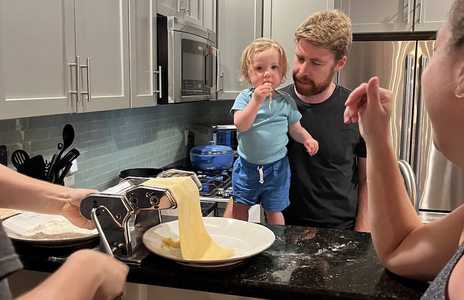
{"type": "Point", "coordinates": [405, 147]}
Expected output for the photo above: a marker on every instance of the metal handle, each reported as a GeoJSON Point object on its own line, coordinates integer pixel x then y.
{"type": "Point", "coordinates": [89, 88]}
{"type": "Point", "coordinates": [160, 82]}
{"type": "Point", "coordinates": [407, 109]}
{"type": "Point", "coordinates": [418, 12]}
{"type": "Point", "coordinates": [76, 92]}
{"type": "Point", "coordinates": [220, 74]}
{"type": "Point", "coordinates": [408, 11]}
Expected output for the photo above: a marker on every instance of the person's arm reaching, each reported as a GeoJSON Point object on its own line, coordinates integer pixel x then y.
{"type": "Point", "coordinates": [404, 244]}
{"type": "Point", "coordinates": [26, 193]}
{"type": "Point", "coordinates": [86, 275]}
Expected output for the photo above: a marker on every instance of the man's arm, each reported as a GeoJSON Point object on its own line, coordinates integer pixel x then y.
{"type": "Point", "coordinates": [362, 223]}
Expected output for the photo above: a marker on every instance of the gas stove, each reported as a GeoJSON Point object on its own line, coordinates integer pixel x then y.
{"type": "Point", "coordinates": [215, 186]}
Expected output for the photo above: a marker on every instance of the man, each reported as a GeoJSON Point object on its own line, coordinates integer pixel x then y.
{"type": "Point", "coordinates": [329, 189]}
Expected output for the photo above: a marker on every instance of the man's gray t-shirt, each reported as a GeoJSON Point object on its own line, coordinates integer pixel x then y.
{"type": "Point", "coordinates": [9, 263]}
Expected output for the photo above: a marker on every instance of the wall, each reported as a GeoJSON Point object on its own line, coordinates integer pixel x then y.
{"type": "Point", "coordinates": [115, 140]}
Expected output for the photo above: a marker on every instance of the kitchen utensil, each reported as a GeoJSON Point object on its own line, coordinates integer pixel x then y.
{"type": "Point", "coordinates": [139, 172]}
{"type": "Point", "coordinates": [18, 158]}
{"type": "Point", "coordinates": [3, 155]}
{"type": "Point", "coordinates": [68, 139]}
{"type": "Point", "coordinates": [63, 166]}
{"type": "Point", "coordinates": [34, 167]}
{"type": "Point", "coordinates": [226, 232]}
{"type": "Point", "coordinates": [212, 157]}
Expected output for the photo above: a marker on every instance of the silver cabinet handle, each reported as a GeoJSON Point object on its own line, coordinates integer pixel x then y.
{"type": "Point", "coordinates": [418, 12]}
{"type": "Point", "coordinates": [405, 149]}
{"type": "Point", "coordinates": [220, 74]}
{"type": "Point", "coordinates": [89, 87]}
{"type": "Point", "coordinates": [160, 82]}
{"type": "Point", "coordinates": [75, 92]}
{"type": "Point", "coordinates": [408, 11]}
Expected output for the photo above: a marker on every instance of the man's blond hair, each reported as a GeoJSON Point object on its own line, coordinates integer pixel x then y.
{"type": "Point", "coordinates": [258, 46]}
{"type": "Point", "coordinates": [327, 29]}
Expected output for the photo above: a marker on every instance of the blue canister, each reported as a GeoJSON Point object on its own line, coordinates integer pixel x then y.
{"type": "Point", "coordinates": [212, 157]}
{"type": "Point", "coordinates": [225, 135]}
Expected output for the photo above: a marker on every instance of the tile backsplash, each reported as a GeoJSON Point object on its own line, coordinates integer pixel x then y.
{"type": "Point", "coordinates": [115, 140]}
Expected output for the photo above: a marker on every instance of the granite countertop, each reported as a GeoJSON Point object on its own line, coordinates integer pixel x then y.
{"type": "Point", "coordinates": [302, 263]}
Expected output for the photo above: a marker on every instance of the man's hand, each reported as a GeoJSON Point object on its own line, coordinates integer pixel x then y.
{"type": "Point", "coordinates": [71, 210]}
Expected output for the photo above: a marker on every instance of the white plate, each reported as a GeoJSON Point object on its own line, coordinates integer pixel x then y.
{"type": "Point", "coordinates": [35, 227]}
{"type": "Point", "coordinates": [244, 238]}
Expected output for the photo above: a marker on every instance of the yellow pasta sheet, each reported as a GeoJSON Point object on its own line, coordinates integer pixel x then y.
{"type": "Point", "coordinates": [195, 242]}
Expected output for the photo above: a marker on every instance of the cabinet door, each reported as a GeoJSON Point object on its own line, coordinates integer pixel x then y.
{"type": "Point", "coordinates": [35, 52]}
{"type": "Point", "coordinates": [209, 14]}
{"type": "Point", "coordinates": [378, 15]}
{"type": "Point", "coordinates": [102, 31]}
{"type": "Point", "coordinates": [143, 41]}
{"type": "Point", "coordinates": [169, 7]}
{"type": "Point", "coordinates": [278, 26]}
{"type": "Point", "coordinates": [431, 14]}
{"type": "Point", "coordinates": [239, 23]}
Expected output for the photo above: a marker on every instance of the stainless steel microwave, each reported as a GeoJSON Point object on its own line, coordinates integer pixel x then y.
{"type": "Point", "coordinates": [187, 56]}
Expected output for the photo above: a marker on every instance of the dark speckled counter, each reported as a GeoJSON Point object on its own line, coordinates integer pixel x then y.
{"type": "Point", "coordinates": [303, 263]}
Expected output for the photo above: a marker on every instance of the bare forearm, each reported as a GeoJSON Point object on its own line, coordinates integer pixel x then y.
{"type": "Point", "coordinates": [75, 280]}
{"type": "Point", "coordinates": [298, 133]}
{"type": "Point", "coordinates": [362, 222]}
{"type": "Point", "coordinates": [244, 119]}
{"type": "Point", "coordinates": [25, 193]}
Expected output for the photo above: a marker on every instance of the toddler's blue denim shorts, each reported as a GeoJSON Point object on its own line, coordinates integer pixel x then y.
{"type": "Point", "coordinates": [267, 184]}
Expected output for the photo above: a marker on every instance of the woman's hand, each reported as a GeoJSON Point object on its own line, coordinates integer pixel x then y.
{"type": "Point", "coordinates": [71, 209]}
{"type": "Point", "coordinates": [311, 145]}
{"type": "Point", "coordinates": [370, 105]}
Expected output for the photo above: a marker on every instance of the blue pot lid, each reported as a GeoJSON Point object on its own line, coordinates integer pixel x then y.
{"type": "Point", "coordinates": [211, 150]}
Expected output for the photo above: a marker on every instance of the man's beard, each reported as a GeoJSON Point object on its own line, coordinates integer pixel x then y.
{"type": "Point", "coordinates": [310, 88]}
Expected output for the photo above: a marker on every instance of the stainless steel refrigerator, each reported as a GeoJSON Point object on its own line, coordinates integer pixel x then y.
{"type": "Point", "coordinates": [399, 65]}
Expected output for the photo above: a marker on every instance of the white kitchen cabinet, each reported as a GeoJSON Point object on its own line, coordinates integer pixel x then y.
{"type": "Point", "coordinates": [169, 7]}
{"type": "Point", "coordinates": [188, 9]}
{"type": "Point", "coordinates": [379, 15]}
{"type": "Point", "coordinates": [239, 23]}
{"type": "Point", "coordinates": [38, 71]}
{"type": "Point", "coordinates": [144, 82]}
{"type": "Point", "coordinates": [281, 18]}
{"type": "Point", "coordinates": [35, 49]}
{"type": "Point", "coordinates": [431, 14]}
{"type": "Point", "coordinates": [209, 14]}
{"type": "Point", "coordinates": [395, 15]}
{"type": "Point", "coordinates": [102, 43]}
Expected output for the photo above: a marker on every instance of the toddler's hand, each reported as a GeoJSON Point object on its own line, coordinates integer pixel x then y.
{"type": "Point", "coordinates": [312, 146]}
{"type": "Point", "coordinates": [262, 91]}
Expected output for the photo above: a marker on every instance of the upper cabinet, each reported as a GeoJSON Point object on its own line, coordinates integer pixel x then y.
{"type": "Point", "coordinates": [188, 9]}
{"type": "Point", "coordinates": [209, 14]}
{"type": "Point", "coordinates": [239, 23]}
{"type": "Point", "coordinates": [143, 64]}
{"type": "Point", "coordinates": [395, 15]}
{"type": "Point", "coordinates": [102, 45]}
{"type": "Point", "coordinates": [35, 65]}
{"type": "Point", "coordinates": [431, 14]}
{"type": "Point", "coordinates": [72, 57]}
{"type": "Point", "coordinates": [279, 26]}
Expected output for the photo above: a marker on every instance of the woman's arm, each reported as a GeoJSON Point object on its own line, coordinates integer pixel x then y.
{"type": "Point", "coordinates": [404, 244]}
{"type": "Point", "coordinates": [87, 274]}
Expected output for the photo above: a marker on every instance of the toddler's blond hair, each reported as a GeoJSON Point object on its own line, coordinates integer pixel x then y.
{"type": "Point", "coordinates": [258, 46]}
